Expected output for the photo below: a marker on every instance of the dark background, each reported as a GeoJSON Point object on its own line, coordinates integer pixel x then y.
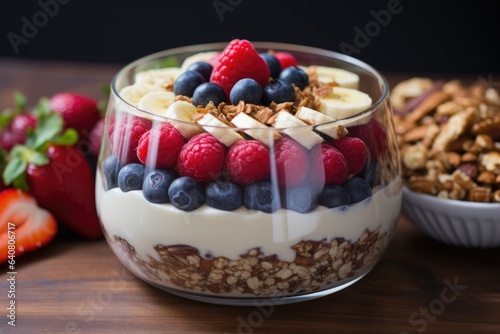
{"type": "Point", "coordinates": [426, 36]}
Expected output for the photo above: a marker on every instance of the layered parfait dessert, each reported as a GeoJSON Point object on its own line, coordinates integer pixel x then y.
{"type": "Point", "coordinates": [241, 173]}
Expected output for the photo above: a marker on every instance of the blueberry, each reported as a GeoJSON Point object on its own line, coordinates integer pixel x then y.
{"type": "Point", "coordinates": [224, 195]}
{"type": "Point", "coordinates": [246, 90]}
{"type": "Point", "coordinates": [358, 189]}
{"type": "Point", "coordinates": [203, 68]}
{"type": "Point", "coordinates": [111, 167]}
{"type": "Point", "coordinates": [369, 172]}
{"type": "Point", "coordinates": [334, 196]}
{"type": "Point", "coordinates": [186, 193]}
{"type": "Point", "coordinates": [278, 91]}
{"type": "Point", "coordinates": [273, 63]}
{"type": "Point", "coordinates": [208, 91]}
{"type": "Point", "coordinates": [295, 75]}
{"type": "Point", "coordinates": [131, 177]}
{"type": "Point", "coordinates": [300, 199]}
{"type": "Point", "coordinates": [186, 83]}
{"type": "Point", "coordinates": [155, 186]}
{"type": "Point", "coordinates": [261, 195]}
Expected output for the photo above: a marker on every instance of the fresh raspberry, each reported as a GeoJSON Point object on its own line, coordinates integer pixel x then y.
{"type": "Point", "coordinates": [248, 161]}
{"type": "Point", "coordinates": [291, 162]}
{"type": "Point", "coordinates": [160, 146]}
{"type": "Point", "coordinates": [373, 135]}
{"type": "Point", "coordinates": [354, 151]}
{"type": "Point", "coordinates": [315, 178]}
{"type": "Point", "coordinates": [202, 158]}
{"type": "Point", "coordinates": [237, 61]}
{"type": "Point", "coordinates": [334, 164]}
{"type": "Point", "coordinates": [286, 59]}
{"type": "Point", "coordinates": [124, 135]}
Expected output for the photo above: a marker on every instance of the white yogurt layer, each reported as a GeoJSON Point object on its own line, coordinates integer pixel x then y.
{"type": "Point", "coordinates": [231, 233]}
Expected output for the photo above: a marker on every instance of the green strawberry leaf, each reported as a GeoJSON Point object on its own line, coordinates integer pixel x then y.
{"type": "Point", "coordinates": [20, 101]}
{"type": "Point", "coordinates": [67, 138]}
{"type": "Point", "coordinates": [15, 171]}
{"type": "Point", "coordinates": [42, 108]}
{"type": "Point", "coordinates": [48, 127]}
{"type": "Point", "coordinates": [6, 117]}
{"type": "Point", "coordinates": [3, 159]}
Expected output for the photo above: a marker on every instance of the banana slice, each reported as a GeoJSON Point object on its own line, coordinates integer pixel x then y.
{"type": "Point", "coordinates": [201, 56]}
{"type": "Point", "coordinates": [132, 94]}
{"type": "Point", "coordinates": [344, 102]}
{"type": "Point", "coordinates": [297, 129]}
{"type": "Point", "coordinates": [342, 77]}
{"type": "Point", "coordinates": [183, 112]}
{"type": "Point", "coordinates": [255, 129]}
{"type": "Point", "coordinates": [219, 130]}
{"type": "Point", "coordinates": [157, 78]}
{"type": "Point", "coordinates": [156, 102]}
{"type": "Point", "coordinates": [316, 118]}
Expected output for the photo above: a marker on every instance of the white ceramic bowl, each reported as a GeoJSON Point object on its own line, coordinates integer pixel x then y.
{"type": "Point", "coordinates": [456, 223]}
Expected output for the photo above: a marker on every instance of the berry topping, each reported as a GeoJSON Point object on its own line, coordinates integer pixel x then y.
{"type": "Point", "coordinates": [334, 164]}
{"type": "Point", "coordinates": [291, 162]}
{"type": "Point", "coordinates": [160, 146]}
{"type": "Point", "coordinates": [206, 92]}
{"type": "Point", "coordinates": [294, 75]}
{"type": "Point", "coordinates": [124, 135]}
{"type": "Point", "coordinates": [286, 59]}
{"type": "Point", "coordinates": [203, 68]}
{"type": "Point", "coordinates": [224, 195]}
{"type": "Point", "coordinates": [156, 184]}
{"type": "Point", "coordinates": [186, 83]}
{"type": "Point", "coordinates": [334, 196]}
{"type": "Point", "coordinates": [278, 91]}
{"type": "Point", "coordinates": [111, 167]}
{"type": "Point", "coordinates": [354, 151]}
{"type": "Point", "coordinates": [186, 193]}
{"type": "Point", "coordinates": [247, 161]}
{"type": "Point", "coordinates": [262, 196]}
{"type": "Point", "coordinates": [237, 61]}
{"type": "Point", "coordinates": [246, 90]}
{"type": "Point", "coordinates": [300, 199]}
{"type": "Point", "coordinates": [358, 189]}
{"type": "Point", "coordinates": [273, 63]}
{"type": "Point", "coordinates": [373, 135]}
{"type": "Point", "coordinates": [202, 158]}
{"type": "Point", "coordinates": [131, 177]}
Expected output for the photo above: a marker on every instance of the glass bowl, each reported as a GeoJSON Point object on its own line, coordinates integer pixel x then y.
{"type": "Point", "coordinates": [280, 230]}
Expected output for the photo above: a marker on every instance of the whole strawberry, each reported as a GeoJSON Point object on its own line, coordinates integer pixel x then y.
{"type": "Point", "coordinates": [53, 170]}
{"type": "Point", "coordinates": [15, 132]}
{"type": "Point", "coordinates": [65, 187]}
{"type": "Point", "coordinates": [78, 111]}
{"type": "Point", "coordinates": [237, 61]}
{"type": "Point", "coordinates": [15, 123]}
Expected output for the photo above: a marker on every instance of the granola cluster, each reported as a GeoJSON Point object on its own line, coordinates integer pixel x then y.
{"type": "Point", "coordinates": [449, 138]}
{"type": "Point", "coordinates": [308, 97]}
{"type": "Point", "coordinates": [318, 265]}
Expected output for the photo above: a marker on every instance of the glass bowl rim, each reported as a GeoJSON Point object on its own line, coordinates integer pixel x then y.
{"type": "Point", "coordinates": [203, 47]}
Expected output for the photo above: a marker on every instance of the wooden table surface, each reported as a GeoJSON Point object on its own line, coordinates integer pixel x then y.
{"type": "Point", "coordinates": [78, 286]}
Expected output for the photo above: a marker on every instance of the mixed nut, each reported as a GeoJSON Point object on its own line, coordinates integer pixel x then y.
{"type": "Point", "coordinates": [449, 138]}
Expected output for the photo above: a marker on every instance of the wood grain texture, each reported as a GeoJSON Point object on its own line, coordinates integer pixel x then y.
{"type": "Point", "coordinates": [78, 286]}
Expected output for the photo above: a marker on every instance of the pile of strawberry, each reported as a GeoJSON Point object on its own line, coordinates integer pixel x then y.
{"type": "Point", "coordinates": [47, 168]}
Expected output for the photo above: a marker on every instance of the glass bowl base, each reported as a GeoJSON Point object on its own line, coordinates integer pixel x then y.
{"type": "Point", "coordinates": [264, 301]}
